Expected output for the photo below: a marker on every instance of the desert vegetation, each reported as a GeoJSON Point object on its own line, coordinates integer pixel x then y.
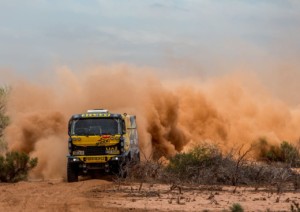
{"type": "Point", "coordinates": [14, 166]}
{"type": "Point", "coordinates": [236, 207]}
{"type": "Point", "coordinates": [4, 120]}
{"type": "Point", "coordinates": [208, 172]}
{"type": "Point", "coordinates": [201, 173]}
{"type": "Point", "coordinates": [284, 153]}
{"type": "Point", "coordinates": [207, 165]}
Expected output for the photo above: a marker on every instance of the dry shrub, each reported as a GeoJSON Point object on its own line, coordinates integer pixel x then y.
{"type": "Point", "coordinates": [207, 165]}
{"type": "Point", "coordinates": [295, 206]}
{"type": "Point", "coordinates": [15, 166]}
{"type": "Point", "coordinates": [145, 171]}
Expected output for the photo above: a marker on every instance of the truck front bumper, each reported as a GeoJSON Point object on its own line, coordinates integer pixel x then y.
{"type": "Point", "coordinates": [95, 158]}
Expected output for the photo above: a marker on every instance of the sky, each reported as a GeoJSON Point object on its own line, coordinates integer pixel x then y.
{"type": "Point", "coordinates": [188, 36]}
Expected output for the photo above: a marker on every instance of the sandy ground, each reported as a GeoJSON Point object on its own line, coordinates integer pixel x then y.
{"type": "Point", "coordinates": [106, 195]}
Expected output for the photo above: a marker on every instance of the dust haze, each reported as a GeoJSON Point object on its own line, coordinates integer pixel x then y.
{"type": "Point", "coordinates": [172, 116]}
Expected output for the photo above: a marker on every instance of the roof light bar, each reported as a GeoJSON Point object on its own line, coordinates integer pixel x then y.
{"type": "Point", "coordinates": [98, 111]}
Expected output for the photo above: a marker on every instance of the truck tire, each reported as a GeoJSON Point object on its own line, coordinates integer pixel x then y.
{"type": "Point", "coordinates": [72, 172]}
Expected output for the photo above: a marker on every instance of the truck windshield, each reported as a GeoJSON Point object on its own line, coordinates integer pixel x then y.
{"type": "Point", "coordinates": [96, 126]}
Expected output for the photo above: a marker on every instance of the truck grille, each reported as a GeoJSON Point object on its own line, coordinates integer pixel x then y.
{"type": "Point", "coordinates": [92, 150]}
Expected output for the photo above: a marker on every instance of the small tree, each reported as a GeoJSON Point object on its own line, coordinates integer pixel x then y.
{"type": "Point", "coordinates": [4, 120]}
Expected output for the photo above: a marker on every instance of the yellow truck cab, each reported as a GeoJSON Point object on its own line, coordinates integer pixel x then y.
{"type": "Point", "coordinates": [100, 141]}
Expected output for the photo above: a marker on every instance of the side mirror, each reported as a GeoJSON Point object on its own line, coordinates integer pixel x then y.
{"type": "Point", "coordinates": [123, 127]}
{"type": "Point", "coordinates": [69, 128]}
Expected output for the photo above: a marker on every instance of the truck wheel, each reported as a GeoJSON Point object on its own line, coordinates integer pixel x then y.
{"type": "Point", "coordinates": [72, 172]}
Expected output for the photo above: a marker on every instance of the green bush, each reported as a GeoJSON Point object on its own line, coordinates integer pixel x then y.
{"type": "Point", "coordinates": [284, 153]}
{"type": "Point", "coordinates": [203, 164]}
{"type": "Point", "coordinates": [236, 207]}
{"type": "Point", "coordinates": [290, 154]}
{"type": "Point", "coordinates": [201, 155]}
{"type": "Point", "coordinates": [14, 166]}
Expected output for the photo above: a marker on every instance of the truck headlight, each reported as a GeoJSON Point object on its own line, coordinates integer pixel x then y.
{"type": "Point", "coordinates": [76, 139]}
{"type": "Point", "coordinates": [115, 158]}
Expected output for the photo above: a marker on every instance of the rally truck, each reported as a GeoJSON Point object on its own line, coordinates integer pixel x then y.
{"type": "Point", "coordinates": [101, 142]}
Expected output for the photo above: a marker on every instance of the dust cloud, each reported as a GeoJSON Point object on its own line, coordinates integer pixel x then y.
{"type": "Point", "coordinates": [172, 117]}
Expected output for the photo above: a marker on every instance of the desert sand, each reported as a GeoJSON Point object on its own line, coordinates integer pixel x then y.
{"type": "Point", "coordinates": [107, 195]}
